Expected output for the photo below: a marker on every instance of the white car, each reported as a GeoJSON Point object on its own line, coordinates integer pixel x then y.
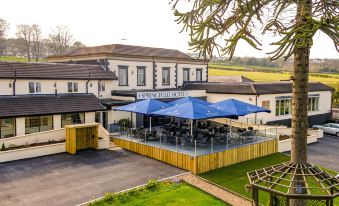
{"type": "Point", "coordinates": [329, 128]}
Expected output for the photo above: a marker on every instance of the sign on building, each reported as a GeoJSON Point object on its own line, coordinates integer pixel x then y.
{"type": "Point", "coordinates": [162, 94]}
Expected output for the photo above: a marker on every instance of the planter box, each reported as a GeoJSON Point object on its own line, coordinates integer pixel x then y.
{"type": "Point", "coordinates": [30, 152]}
{"type": "Point", "coordinates": [285, 145]}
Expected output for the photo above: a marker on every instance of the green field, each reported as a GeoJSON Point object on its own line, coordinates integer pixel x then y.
{"type": "Point", "coordinates": [234, 177]}
{"type": "Point", "coordinates": [331, 80]}
{"type": "Point", "coordinates": [12, 59]}
{"type": "Point", "coordinates": [166, 194]}
{"type": "Point", "coordinates": [243, 67]}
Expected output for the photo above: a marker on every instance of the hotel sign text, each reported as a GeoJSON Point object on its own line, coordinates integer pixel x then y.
{"type": "Point", "coordinates": [162, 94]}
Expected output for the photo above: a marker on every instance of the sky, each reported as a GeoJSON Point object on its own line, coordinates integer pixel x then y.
{"type": "Point", "coordinates": [144, 23]}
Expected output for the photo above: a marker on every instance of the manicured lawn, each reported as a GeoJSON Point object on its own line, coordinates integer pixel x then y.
{"type": "Point", "coordinates": [12, 59]}
{"type": "Point", "coordinates": [169, 194]}
{"type": "Point", "coordinates": [234, 177]}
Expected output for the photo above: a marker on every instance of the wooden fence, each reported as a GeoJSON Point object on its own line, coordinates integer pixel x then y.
{"type": "Point", "coordinates": [202, 163]}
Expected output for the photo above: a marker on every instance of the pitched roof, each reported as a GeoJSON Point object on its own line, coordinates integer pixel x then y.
{"type": "Point", "coordinates": [255, 88]}
{"type": "Point", "coordinates": [29, 105]}
{"type": "Point", "coordinates": [53, 71]}
{"type": "Point", "coordinates": [229, 79]}
{"type": "Point", "coordinates": [129, 50]}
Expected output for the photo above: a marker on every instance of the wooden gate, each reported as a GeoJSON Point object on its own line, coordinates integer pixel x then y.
{"type": "Point", "coordinates": [81, 136]}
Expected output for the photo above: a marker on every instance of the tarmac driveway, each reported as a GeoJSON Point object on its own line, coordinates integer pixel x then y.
{"type": "Point", "coordinates": [64, 179]}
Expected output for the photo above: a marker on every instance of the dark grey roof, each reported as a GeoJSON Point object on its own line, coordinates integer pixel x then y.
{"type": "Point", "coordinates": [129, 50]}
{"type": "Point", "coordinates": [229, 79]}
{"type": "Point", "coordinates": [255, 88]}
{"type": "Point", "coordinates": [114, 102]}
{"type": "Point", "coordinates": [54, 71]}
{"type": "Point", "coordinates": [29, 105]}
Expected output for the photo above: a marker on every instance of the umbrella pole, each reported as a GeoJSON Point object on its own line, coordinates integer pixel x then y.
{"type": "Point", "coordinates": [230, 128]}
{"type": "Point", "coordinates": [191, 128]}
{"type": "Point", "coordinates": [150, 124]}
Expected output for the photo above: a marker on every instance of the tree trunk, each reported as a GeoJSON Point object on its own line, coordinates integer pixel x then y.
{"type": "Point", "coordinates": [300, 97]}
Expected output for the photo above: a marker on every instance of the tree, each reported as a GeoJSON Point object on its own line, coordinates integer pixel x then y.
{"type": "Point", "coordinates": [4, 26]}
{"type": "Point", "coordinates": [24, 31]}
{"type": "Point", "coordinates": [36, 41]}
{"type": "Point", "coordinates": [60, 39]}
{"type": "Point", "coordinates": [296, 22]}
{"type": "Point", "coordinates": [78, 45]}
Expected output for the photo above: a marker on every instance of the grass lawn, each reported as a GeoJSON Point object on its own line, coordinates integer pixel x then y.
{"type": "Point", "coordinates": [331, 80]}
{"type": "Point", "coordinates": [169, 194]}
{"type": "Point", "coordinates": [12, 59]}
{"type": "Point", "coordinates": [234, 177]}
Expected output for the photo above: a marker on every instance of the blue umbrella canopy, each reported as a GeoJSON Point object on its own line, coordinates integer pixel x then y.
{"type": "Point", "coordinates": [192, 110]}
{"type": "Point", "coordinates": [238, 108]}
{"type": "Point", "coordinates": [146, 106]}
{"type": "Point", "coordinates": [188, 99]}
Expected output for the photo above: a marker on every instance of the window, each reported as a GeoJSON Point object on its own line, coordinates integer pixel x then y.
{"type": "Point", "coordinates": [7, 127]}
{"type": "Point", "coordinates": [72, 118]}
{"type": "Point", "coordinates": [283, 106]}
{"type": "Point", "coordinates": [102, 86]}
{"type": "Point", "coordinates": [34, 87]}
{"type": "Point", "coordinates": [186, 75]}
{"type": "Point", "coordinates": [313, 104]}
{"type": "Point", "coordinates": [265, 104]}
{"type": "Point", "coordinates": [141, 76]}
{"type": "Point", "coordinates": [72, 86]}
{"type": "Point", "coordinates": [38, 124]}
{"type": "Point", "coordinates": [123, 75]}
{"type": "Point", "coordinates": [165, 76]}
{"type": "Point", "coordinates": [198, 75]}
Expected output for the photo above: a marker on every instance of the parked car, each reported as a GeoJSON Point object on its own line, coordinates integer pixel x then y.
{"type": "Point", "coordinates": [329, 128]}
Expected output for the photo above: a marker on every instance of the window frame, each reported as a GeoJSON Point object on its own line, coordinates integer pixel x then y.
{"type": "Point", "coordinates": [169, 76]}
{"type": "Point", "coordinates": [34, 87]}
{"type": "Point", "coordinates": [72, 87]}
{"type": "Point", "coordinates": [121, 67]}
{"type": "Point", "coordinates": [13, 119]}
{"type": "Point", "coordinates": [62, 115]}
{"type": "Point", "coordinates": [199, 70]}
{"type": "Point", "coordinates": [102, 86]}
{"type": "Point", "coordinates": [188, 70]}
{"type": "Point", "coordinates": [40, 123]}
{"type": "Point", "coordinates": [144, 73]}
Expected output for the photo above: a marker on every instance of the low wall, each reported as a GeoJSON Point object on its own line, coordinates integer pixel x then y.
{"type": "Point", "coordinates": [31, 152]}
{"type": "Point", "coordinates": [57, 135]}
{"type": "Point", "coordinates": [285, 145]}
{"type": "Point", "coordinates": [202, 163]}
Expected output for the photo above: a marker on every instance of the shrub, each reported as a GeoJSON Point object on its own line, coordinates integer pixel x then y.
{"type": "Point", "coordinates": [125, 123]}
{"type": "Point", "coordinates": [109, 196]}
{"type": "Point", "coordinates": [152, 185]}
{"type": "Point", "coordinates": [3, 148]}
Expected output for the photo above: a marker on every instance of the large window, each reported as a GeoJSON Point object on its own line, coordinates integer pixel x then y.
{"type": "Point", "coordinates": [72, 86]}
{"type": "Point", "coordinates": [141, 73]}
{"type": "Point", "coordinates": [34, 87]}
{"type": "Point", "coordinates": [198, 75]}
{"type": "Point", "coordinates": [7, 127]}
{"type": "Point", "coordinates": [313, 104]}
{"type": "Point", "coordinates": [186, 75]}
{"type": "Point", "coordinates": [123, 75]}
{"type": "Point", "coordinates": [284, 106]}
{"type": "Point", "coordinates": [165, 75]}
{"type": "Point", "coordinates": [38, 124]}
{"type": "Point", "coordinates": [72, 118]}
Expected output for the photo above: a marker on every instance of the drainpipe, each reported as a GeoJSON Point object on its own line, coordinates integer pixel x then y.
{"type": "Point", "coordinates": [89, 79]}
{"type": "Point", "coordinates": [14, 81]}
{"type": "Point", "coordinates": [99, 88]}
{"type": "Point", "coordinates": [154, 74]}
{"type": "Point", "coordinates": [176, 75]}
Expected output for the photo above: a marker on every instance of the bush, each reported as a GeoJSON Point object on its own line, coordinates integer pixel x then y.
{"type": "Point", "coordinates": [3, 148]}
{"type": "Point", "coordinates": [109, 196]}
{"type": "Point", "coordinates": [125, 123]}
{"type": "Point", "coordinates": [152, 185]}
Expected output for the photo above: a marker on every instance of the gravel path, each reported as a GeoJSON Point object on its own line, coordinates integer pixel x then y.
{"type": "Point", "coordinates": [216, 191]}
